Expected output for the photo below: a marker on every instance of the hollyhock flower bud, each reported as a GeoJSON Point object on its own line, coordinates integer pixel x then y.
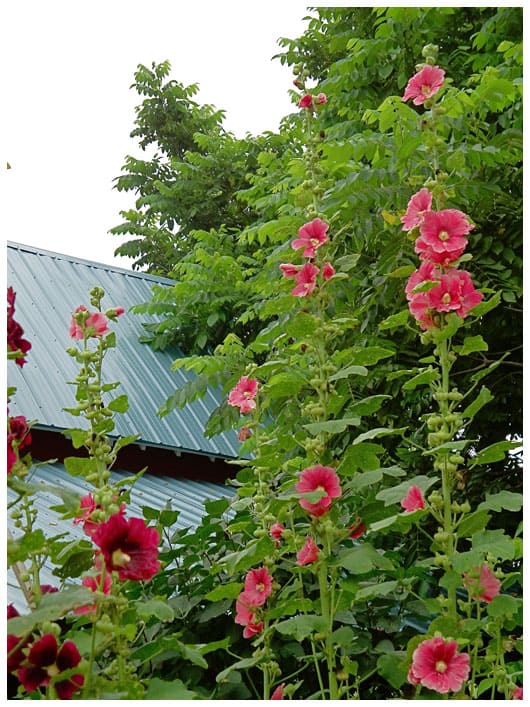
{"type": "Point", "coordinates": [308, 554]}
{"type": "Point", "coordinates": [244, 434]}
{"type": "Point", "coordinates": [243, 394]}
{"type": "Point", "coordinates": [278, 692]}
{"type": "Point", "coordinates": [322, 98]}
{"type": "Point", "coordinates": [328, 271]}
{"type": "Point", "coordinates": [358, 529]}
{"type": "Point", "coordinates": [413, 500]}
{"type": "Point", "coordinates": [517, 694]}
{"type": "Point", "coordinates": [425, 84]}
{"type": "Point", "coordinates": [437, 665]}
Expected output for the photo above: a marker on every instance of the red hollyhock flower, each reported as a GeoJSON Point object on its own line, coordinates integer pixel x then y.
{"type": "Point", "coordinates": [442, 236]}
{"type": "Point", "coordinates": [243, 394]}
{"type": "Point", "coordinates": [289, 270]}
{"type": "Point", "coordinates": [419, 204]}
{"type": "Point", "coordinates": [306, 101]}
{"type": "Point", "coordinates": [424, 84]}
{"type": "Point", "coordinates": [15, 342]}
{"type": "Point", "coordinates": [45, 661]}
{"type": "Point", "coordinates": [305, 278]}
{"type": "Point", "coordinates": [328, 271]}
{"type": "Point", "coordinates": [278, 692]}
{"type": "Point", "coordinates": [276, 531]}
{"type": "Point", "coordinates": [517, 694]}
{"type": "Point", "coordinates": [358, 529]}
{"type": "Point", "coordinates": [413, 500]}
{"type": "Point", "coordinates": [437, 665]}
{"type": "Point", "coordinates": [88, 505]}
{"type": "Point", "coordinates": [258, 586]}
{"type": "Point", "coordinates": [482, 584]}
{"type": "Point", "coordinates": [308, 554]}
{"type": "Point", "coordinates": [129, 547]}
{"type": "Point", "coordinates": [244, 434]}
{"type": "Point", "coordinates": [310, 237]}
{"type": "Point", "coordinates": [319, 478]}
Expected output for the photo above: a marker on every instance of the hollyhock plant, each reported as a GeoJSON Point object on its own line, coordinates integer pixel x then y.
{"type": "Point", "coordinates": [318, 478]}
{"type": "Point", "coordinates": [425, 84]}
{"type": "Point", "coordinates": [455, 292]}
{"type": "Point", "coordinates": [418, 205]}
{"type": "Point", "coordinates": [413, 500]}
{"type": "Point", "coordinates": [129, 547]}
{"type": "Point", "coordinates": [308, 553]}
{"type": "Point", "coordinates": [243, 394]}
{"type": "Point", "coordinates": [306, 279]}
{"type": "Point", "coordinates": [442, 236]}
{"type": "Point", "coordinates": [437, 665]}
{"type": "Point", "coordinates": [258, 586]}
{"type": "Point", "coordinates": [45, 661]}
{"type": "Point", "coordinates": [15, 342]}
{"type": "Point", "coordinates": [482, 584]}
{"type": "Point", "coordinates": [311, 236]}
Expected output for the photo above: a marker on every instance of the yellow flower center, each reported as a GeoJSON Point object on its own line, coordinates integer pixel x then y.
{"type": "Point", "coordinates": [52, 670]}
{"type": "Point", "coordinates": [440, 666]}
{"type": "Point", "coordinates": [426, 89]}
{"type": "Point", "coordinates": [260, 587]}
{"type": "Point", "coordinates": [443, 236]}
{"type": "Point", "coordinates": [314, 241]}
{"type": "Point", "coordinates": [446, 298]}
{"type": "Point", "coordinates": [120, 558]}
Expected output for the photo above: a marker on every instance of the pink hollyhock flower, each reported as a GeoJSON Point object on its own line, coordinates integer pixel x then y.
{"type": "Point", "coordinates": [308, 554]}
{"type": "Point", "coordinates": [278, 692]}
{"type": "Point", "coordinates": [437, 665]}
{"type": "Point", "coordinates": [358, 529]}
{"type": "Point", "coordinates": [306, 101]}
{"type": "Point", "coordinates": [97, 324]}
{"type": "Point", "coordinates": [469, 297]}
{"type": "Point", "coordinates": [310, 237]}
{"type": "Point", "coordinates": [424, 84]}
{"type": "Point", "coordinates": [276, 531]}
{"type": "Point", "coordinates": [289, 270]}
{"type": "Point", "coordinates": [87, 506]}
{"type": "Point", "coordinates": [319, 478]}
{"type": "Point", "coordinates": [306, 279]}
{"type": "Point", "coordinates": [419, 204]}
{"type": "Point", "coordinates": [15, 342]}
{"type": "Point", "coordinates": [129, 547]}
{"type": "Point", "coordinates": [420, 308]}
{"type": "Point", "coordinates": [94, 584]}
{"type": "Point", "coordinates": [243, 393]}
{"type": "Point", "coordinates": [517, 694]}
{"type": "Point", "coordinates": [258, 586]}
{"type": "Point", "coordinates": [46, 660]}
{"type": "Point", "coordinates": [455, 292]}
{"type": "Point", "coordinates": [413, 500]}
{"type": "Point", "coordinates": [442, 236]}
{"type": "Point", "coordinates": [482, 584]}
{"type": "Point", "coordinates": [76, 330]}
{"type": "Point", "coordinates": [328, 271]}
{"type": "Point", "coordinates": [246, 616]}
{"type": "Point", "coordinates": [252, 629]}
{"type": "Point", "coordinates": [427, 272]}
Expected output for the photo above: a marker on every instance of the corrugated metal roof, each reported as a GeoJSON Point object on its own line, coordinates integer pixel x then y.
{"type": "Point", "coordinates": [49, 286]}
{"type": "Point", "coordinates": [185, 495]}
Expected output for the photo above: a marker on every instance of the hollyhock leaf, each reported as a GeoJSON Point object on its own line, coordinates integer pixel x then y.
{"type": "Point", "coordinates": [343, 636]}
{"type": "Point", "coordinates": [243, 664]}
{"type": "Point", "coordinates": [504, 605]}
{"type": "Point", "coordinates": [483, 398]}
{"type": "Point", "coordinates": [494, 542]}
{"type": "Point", "coordinates": [301, 626]}
{"type": "Point", "coordinates": [302, 325]}
{"type": "Point", "coordinates": [158, 689]}
{"type": "Point", "coordinates": [349, 371]}
{"type": "Point", "coordinates": [423, 378]}
{"type": "Point", "coordinates": [381, 589]}
{"type": "Point", "coordinates": [452, 324]}
{"type": "Point", "coordinates": [370, 355]}
{"type": "Point", "coordinates": [78, 436]}
{"type": "Point", "coordinates": [393, 668]}
{"type": "Point", "coordinates": [504, 500]}
{"type": "Point", "coordinates": [484, 307]}
{"type": "Point", "coordinates": [403, 271]}
{"type": "Point", "coordinates": [332, 426]}
{"type": "Point", "coordinates": [155, 607]}
{"type": "Point", "coordinates": [52, 607]}
{"type": "Point", "coordinates": [78, 466]}
{"type": "Point", "coordinates": [371, 476]}
{"type": "Point", "coordinates": [395, 321]}
{"type": "Point", "coordinates": [471, 345]}
{"type": "Point", "coordinates": [362, 456]}
{"type": "Point", "coordinates": [378, 432]}
{"type": "Point", "coordinates": [494, 453]}
{"type": "Point", "coordinates": [285, 384]}
{"type": "Point", "coordinates": [450, 580]}
{"type": "Point", "coordinates": [225, 591]}
{"type": "Point", "coordinates": [472, 523]}
{"type": "Point", "coordinates": [119, 404]}
{"type": "Point", "coordinates": [362, 558]}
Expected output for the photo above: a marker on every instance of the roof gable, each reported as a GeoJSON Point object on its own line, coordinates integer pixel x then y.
{"type": "Point", "coordinates": [49, 286]}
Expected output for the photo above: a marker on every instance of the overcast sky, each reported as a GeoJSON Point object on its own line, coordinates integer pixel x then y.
{"type": "Point", "coordinates": [68, 110]}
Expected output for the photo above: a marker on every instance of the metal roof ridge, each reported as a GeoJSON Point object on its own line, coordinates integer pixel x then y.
{"type": "Point", "coordinates": [93, 263]}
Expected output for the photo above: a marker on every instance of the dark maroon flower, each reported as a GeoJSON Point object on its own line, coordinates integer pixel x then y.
{"type": "Point", "coordinates": [18, 437]}
{"type": "Point", "coordinates": [129, 547]}
{"type": "Point", "coordinates": [15, 342]}
{"type": "Point", "coordinates": [45, 661]}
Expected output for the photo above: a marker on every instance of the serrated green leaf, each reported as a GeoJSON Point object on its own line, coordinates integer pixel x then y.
{"type": "Point", "coordinates": [395, 320]}
{"type": "Point", "coordinates": [381, 589]}
{"type": "Point", "coordinates": [361, 559]}
{"type": "Point", "coordinates": [494, 542]}
{"type": "Point", "coordinates": [52, 607]}
{"type": "Point", "coordinates": [483, 398]}
{"type": "Point", "coordinates": [379, 432]}
{"type": "Point", "coordinates": [370, 355]}
{"type": "Point", "coordinates": [79, 466]}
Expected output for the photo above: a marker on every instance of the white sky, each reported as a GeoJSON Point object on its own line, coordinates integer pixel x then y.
{"type": "Point", "coordinates": [68, 110]}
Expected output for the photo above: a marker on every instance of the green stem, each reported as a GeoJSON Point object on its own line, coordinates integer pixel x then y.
{"type": "Point", "coordinates": [327, 613]}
